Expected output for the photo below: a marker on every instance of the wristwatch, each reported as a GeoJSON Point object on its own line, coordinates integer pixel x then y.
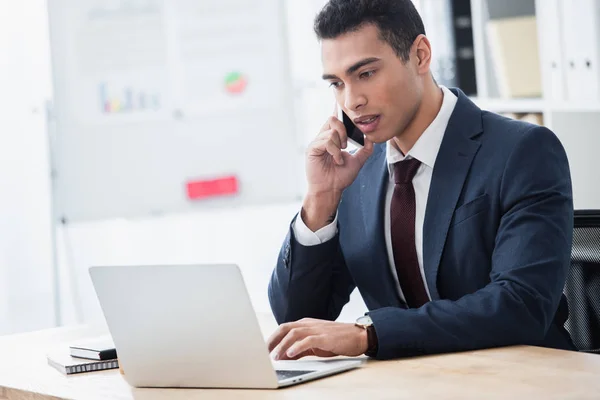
{"type": "Point", "coordinates": [366, 323]}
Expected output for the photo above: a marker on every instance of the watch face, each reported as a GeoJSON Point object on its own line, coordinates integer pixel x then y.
{"type": "Point", "coordinates": [365, 320]}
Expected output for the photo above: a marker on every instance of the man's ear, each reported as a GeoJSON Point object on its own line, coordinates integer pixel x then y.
{"type": "Point", "coordinates": [422, 51]}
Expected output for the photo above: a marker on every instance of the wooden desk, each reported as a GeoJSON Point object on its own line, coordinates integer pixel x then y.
{"type": "Point", "coordinates": [507, 373]}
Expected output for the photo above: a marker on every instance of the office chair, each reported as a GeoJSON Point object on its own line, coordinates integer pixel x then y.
{"type": "Point", "coordinates": [582, 288]}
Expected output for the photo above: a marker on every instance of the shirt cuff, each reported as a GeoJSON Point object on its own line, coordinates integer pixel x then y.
{"type": "Point", "coordinates": [306, 237]}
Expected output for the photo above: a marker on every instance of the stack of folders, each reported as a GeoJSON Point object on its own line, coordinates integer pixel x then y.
{"type": "Point", "coordinates": [513, 44]}
{"type": "Point", "coordinates": [95, 354]}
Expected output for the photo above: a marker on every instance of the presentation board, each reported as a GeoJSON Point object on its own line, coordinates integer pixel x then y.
{"type": "Point", "coordinates": [167, 106]}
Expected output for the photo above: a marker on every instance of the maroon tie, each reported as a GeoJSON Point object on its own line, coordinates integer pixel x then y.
{"type": "Point", "coordinates": [403, 233]}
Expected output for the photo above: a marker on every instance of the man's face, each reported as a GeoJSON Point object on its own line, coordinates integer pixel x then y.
{"type": "Point", "coordinates": [373, 86]}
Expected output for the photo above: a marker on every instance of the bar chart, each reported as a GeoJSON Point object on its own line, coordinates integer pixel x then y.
{"type": "Point", "coordinates": [127, 99]}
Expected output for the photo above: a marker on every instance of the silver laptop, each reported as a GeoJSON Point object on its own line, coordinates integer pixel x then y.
{"type": "Point", "coordinates": [193, 326]}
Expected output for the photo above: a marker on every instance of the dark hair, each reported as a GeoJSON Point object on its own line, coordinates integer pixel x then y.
{"type": "Point", "coordinates": [398, 21]}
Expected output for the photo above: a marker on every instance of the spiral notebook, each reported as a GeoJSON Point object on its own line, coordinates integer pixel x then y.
{"type": "Point", "coordinates": [63, 362]}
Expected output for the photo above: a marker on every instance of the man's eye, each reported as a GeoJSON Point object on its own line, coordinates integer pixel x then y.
{"type": "Point", "coordinates": [367, 74]}
{"type": "Point", "coordinates": [335, 84]}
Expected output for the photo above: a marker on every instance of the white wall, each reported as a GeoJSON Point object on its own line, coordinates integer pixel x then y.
{"type": "Point", "coordinates": [25, 240]}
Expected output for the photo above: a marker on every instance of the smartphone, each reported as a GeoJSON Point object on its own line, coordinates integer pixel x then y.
{"type": "Point", "coordinates": [355, 135]}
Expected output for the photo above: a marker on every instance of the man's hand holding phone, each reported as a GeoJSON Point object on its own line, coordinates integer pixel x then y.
{"type": "Point", "coordinates": [330, 170]}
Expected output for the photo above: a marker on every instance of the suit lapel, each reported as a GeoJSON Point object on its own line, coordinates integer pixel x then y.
{"type": "Point", "coordinates": [449, 174]}
{"type": "Point", "coordinates": [372, 198]}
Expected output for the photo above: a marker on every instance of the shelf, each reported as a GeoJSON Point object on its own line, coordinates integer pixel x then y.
{"type": "Point", "coordinates": [525, 105]}
{"type": "Point", "coordinates": [534, 105]}
{"type": "Point", "coordinates": [573, 107]}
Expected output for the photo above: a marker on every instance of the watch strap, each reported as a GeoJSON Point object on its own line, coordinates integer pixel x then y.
{"type": "Point", "coordinates": [372, 341]}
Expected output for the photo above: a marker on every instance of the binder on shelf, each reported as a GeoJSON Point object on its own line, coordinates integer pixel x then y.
{"type": "Point", "coordinates": [464, 45]}
{"type": "Point", "coordinates": [514, 49]}
{"type": "Point", "coordinates": [579, 43]}
{"type": "Point", "coordinates": [551, 49]}
{"type": "Point", "coordinates": [587, 44]}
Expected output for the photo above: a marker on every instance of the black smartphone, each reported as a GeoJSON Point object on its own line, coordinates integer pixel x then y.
{"type": "Point", "coordinates": [355, 135]}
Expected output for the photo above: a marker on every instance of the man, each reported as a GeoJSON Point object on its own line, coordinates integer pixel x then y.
{"type": "Point", "coordinates": [454, 223]}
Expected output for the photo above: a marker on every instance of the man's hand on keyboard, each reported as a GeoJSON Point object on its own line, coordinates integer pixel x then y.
{"type": "Point", "coordinates": [314, 337]}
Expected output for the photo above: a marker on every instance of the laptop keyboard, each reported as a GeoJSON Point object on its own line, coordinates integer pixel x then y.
{"type": "Point", "coordinates": [285, 374]}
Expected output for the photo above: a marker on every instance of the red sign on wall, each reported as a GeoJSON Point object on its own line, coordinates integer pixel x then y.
{"type": "Point", "coordinates": [202, 189]}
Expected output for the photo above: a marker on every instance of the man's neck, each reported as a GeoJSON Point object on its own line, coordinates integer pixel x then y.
{"type": "Point", "coordinates": [428, 110]}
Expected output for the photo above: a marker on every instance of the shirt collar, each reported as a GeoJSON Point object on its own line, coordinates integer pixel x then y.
{"type": "Point", "coordinates": [428, 145]}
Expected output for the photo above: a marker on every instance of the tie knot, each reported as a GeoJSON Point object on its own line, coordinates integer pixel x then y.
{"type": "Point", "coordinates": [404, 171]}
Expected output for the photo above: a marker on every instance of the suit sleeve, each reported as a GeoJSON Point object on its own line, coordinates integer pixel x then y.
{"type": "Point", "coordinates": [309, 281]}
{"type": "Point", "coordinates": [530, 262]}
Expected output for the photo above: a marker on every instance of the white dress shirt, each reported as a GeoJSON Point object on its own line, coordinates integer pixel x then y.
{"type": "Point", "coordinates": [425, 150]}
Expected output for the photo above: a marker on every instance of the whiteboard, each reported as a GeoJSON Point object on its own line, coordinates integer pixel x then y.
{"type": "Point", "coordinates": [152, 94]}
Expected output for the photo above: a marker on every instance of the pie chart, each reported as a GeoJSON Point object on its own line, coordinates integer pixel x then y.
{"type": "Point", "coordinates": [235, 83]}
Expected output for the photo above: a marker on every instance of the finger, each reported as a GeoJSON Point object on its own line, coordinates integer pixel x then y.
{"type": "Point", "coordinates": [314, 342]}
{"type": "Point", "coordinates": [327, 125]}
{"type": "Point", "coordinates": [330, 134]}
{"type": "Point", "coordinates": [311, 352]}
{"type": "Point", "coordinates": [336, 137]}
{"type": "Point", "coordinates": [279, 334]}
{"type": "Point", "coordinates": [363, 154]}
{"type": "Point", "coordinates": [317, 149]}
{"type": "Point", "coordinates": [292, 337]}
{"type": "Point", "coordinates": [318, 146]}
{"type": "Point", "coordinates": [335, 151]}
{"type": "Point", "coordinates": [307, 353]}
{"type": "Point", "coordinates": [283, 329]}
{"type": "Point", "coordinates": [328, 142]}
{"type": "Point", "coordinates": [338, 125]}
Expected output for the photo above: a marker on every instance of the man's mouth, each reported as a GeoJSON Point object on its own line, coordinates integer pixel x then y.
{"type": "Point", "coordinates": [367, 123]}
{"type": "Point", "coordinates": [367, 119]}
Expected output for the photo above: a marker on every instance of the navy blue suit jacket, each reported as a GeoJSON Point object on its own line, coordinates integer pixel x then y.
{"type": "Point", "coordinates": [496, 245]}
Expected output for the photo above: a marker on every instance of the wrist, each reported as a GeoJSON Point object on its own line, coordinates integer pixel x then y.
{"type": "Point", "coordinates": [368, 335]}
{"type": "Point", "coordinates": [372, 342]}
{"type": "Point", "coordinates": [319, 209]}
{"type": "Point", "coordinates": [363, 340]}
